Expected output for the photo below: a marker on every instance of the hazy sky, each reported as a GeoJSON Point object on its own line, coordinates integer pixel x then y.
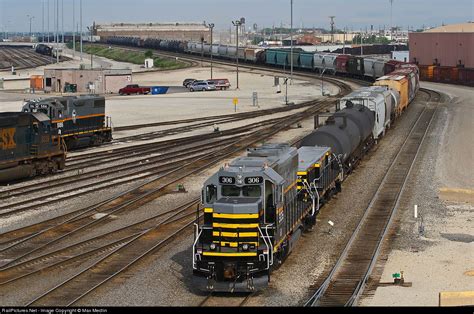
{"type": "Point", "coordinates": [354, 14]}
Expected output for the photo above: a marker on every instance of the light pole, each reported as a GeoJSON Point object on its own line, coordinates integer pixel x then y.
{"type": "Point", "coordinates": [90, 29]}
{"type": "Point", "coordinates": [62, 19]}
{"type": "Point", "coordinates": [30, 18]}
{"type": "Point", "coordinates": [237, 25]}
{"type": "Point", "coordinates": [73, 29]}
{"type": "Point", "coordinates": [391, 23]}
{"type": "Point", "coordinates": [57, 31]}
{"type": "Point", "coordinates": [80, 17]}
{"type": "Point", "coordinates": [42, 23]}
{"type": "Point", "coordinates": [361, 44]}
{"type": "Point", "coordinates": [291, 50]}
{"type": "Point", "coordinates": [48, 20]}
{"type": "Point", "coordinates": [211, 27]}
{"type": "Point", "coordinates": [322, 82]}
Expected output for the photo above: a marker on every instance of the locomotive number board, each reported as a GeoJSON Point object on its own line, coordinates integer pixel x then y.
{"type": "Point", "coordinates": [254, 180]}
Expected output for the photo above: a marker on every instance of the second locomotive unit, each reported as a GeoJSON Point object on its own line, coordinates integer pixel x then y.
{"type": "Point", "coordinates": [80, 120]}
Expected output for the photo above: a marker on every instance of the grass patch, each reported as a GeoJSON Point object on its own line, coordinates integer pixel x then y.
{"type": "Point", "coordinates": [134, 57]}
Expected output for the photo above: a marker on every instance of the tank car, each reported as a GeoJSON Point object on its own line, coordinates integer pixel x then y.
{"type": "Point", "coordinates": [29, 146]}
{"type": "Point", "coordinates": [253, 215]}
{"type": "Point", "coordinates": [348, 132]}
{"type": "Point", "coordinates": [80, 120]}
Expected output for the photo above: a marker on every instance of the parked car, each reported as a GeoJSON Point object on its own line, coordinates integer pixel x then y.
{"type": "Point", "coordinates": [220, 83]}
{"type": "Point", "coordinates": [202, 86]}
{"type": "Point", "coordinates": [134, 89]}
{"type": "Point", "coordinates": [187, 82]}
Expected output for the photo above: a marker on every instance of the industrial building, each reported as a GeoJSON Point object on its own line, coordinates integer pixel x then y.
{"type": "Point", "coordinates": [165, 31]}
{"type": "Point", "coordinates": [446, 46]}
{"type": "Point", "coordinates": [98, 81]}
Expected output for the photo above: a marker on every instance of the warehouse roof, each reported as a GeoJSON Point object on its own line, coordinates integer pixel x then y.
{"type": "Point", "coordinates": [453, 28]}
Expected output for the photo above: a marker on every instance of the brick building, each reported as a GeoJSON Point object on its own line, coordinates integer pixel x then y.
{"type": "Point", "coordinates": [169, 31]}
{"type": "Point", "coordinates": [98, 81]}
{"type": "Point", "coordinates": [450, 45]}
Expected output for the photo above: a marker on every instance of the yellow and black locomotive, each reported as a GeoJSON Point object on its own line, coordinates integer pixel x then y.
{"type": "Point", "coordinates": [255, 209]}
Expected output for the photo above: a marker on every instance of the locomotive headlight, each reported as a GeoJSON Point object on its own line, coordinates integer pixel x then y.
{"type": "Point", "coordinates": [239, 176]}
{"type": "Point", "coordinates": [213, 246]}
{"type": "Point", "coordinates": [245, 247]}
{"type": "Point", "coordinates": [240, 182]}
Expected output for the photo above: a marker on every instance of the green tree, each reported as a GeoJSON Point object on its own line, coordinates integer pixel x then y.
{"type": "Point", "coordinates": [148, 54]}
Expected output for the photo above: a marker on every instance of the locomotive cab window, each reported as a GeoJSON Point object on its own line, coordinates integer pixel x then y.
{"type": "Point", "coordinates": [230, 191]}
{"type": "Point", "coordinates": [211, 194]}
{"type": "Point", "coordinates": [252, 191]}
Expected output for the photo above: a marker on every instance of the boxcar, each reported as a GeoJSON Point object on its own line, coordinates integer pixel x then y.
{"type": "Point", "coordinates": [400, 83]}
{"type": "Point", "coordinates": [466, 76]}
{"type": "Point", "coordinates": [342, 62]}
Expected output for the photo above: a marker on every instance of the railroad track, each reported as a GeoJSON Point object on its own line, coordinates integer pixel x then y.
{"type": "Point", "coordinates": [118, 260]}
{"type": "Point", "coordinates": [23, 58]}
{"type": "Point", "coordinates": [224, 300]}
{"type": "Point", "coordinates": [144, 168]}
{"type": "Point", "coordinates": [346, 281]}
{"type": "Point", "coordinates": [38, 238]}
{"type": "Point", "coordinates": [27, 241]}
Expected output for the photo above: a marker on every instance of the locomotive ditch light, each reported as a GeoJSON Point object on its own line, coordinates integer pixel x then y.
{"type": "Point", "coordinates": [212, 246]}
{"type": "Point", "coordinates": [245, 247]}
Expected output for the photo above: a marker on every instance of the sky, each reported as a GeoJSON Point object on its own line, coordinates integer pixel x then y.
{"type": "Point", "coordinates": [354, 14]}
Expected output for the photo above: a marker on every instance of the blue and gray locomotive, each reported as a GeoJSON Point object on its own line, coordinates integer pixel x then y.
{"type": "Point", "coordinates": [80, 120]}
{"type": "Point", "coordinates": [29, 146]}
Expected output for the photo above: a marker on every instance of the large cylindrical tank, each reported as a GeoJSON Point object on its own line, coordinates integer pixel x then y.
{"type": "Point", "coordinates": [16, 173]}
{"type": "Point", "coordinates": [344, 131]}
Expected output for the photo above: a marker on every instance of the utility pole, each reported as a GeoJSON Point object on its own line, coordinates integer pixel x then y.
{"type": "Point", "coordinates": [48, 20]}
{"type": "Point", "coordinates": [237, 24]}
{"type": "Point", "coordinates": [57, 31]}
{"type": "Point", "coordinates": [361, 44]}
{"type": "Point", "coordinates": [391, 21]}
{"type": "Point", "coordinates": [30, 18]}
{"type": "Point", "coordinates": [332, 28]}
{"type": "Point", "coordinates": [42, 23]}
{"type": "Point", "coordinates": [80, 14]}
{"type": "Point", "coordinates": [90, 29]}
{"type": "Point", "coordinates": [62, 19]}
{"type": "Point", "coordinates": [291, 50]}
{"type": "Point", "coordinates": [211, 27]}
{"type": "Point", "coordinates": [344, 42]}
{"type": "Point", "coordinates": [73, 29]}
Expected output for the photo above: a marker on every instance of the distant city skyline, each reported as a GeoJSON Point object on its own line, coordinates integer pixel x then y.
{"type": "Point", "coordinates": [359, 14]}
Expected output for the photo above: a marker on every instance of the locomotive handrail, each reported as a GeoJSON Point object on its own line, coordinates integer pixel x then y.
{"type": "Point", "coordinates": [195, 244]}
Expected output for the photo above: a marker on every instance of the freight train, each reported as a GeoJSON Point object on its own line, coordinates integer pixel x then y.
{"type": "Point", "coordinates": [369, 68]}
{"type": "Point", "coordinates": [80, 120]}
{"type": "Point", "coordinates": [29, 146]}
{"type": "Point", "coordinates": [256, 207]}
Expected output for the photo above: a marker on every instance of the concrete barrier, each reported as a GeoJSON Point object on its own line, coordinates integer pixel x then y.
{"type": "Point", "coordinates": [456, 298]}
